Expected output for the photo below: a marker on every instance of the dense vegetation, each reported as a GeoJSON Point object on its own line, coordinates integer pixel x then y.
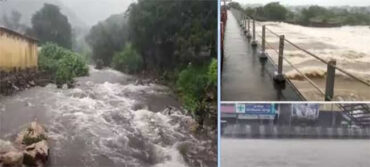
{"type": "Point", "coordinates": [50, 25]}
{"type": "Point", "coordinates": [108, 37]}
{"type": "Point", "coordinates": [174, 40]}
{"type": "Point", "coordinates": [61, 64]}
{"type": "Point", "coordinates": [128, 60]}
{"type": "Point", "coordinates": [309, 16]}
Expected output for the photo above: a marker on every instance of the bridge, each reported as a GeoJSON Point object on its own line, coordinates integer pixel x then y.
{"type": "Point", "coordinates": [356, 114]}
{"type": "Point", "coordinates": [347, 120]}
{"type": "Point", "coordinates": [249, 72]}
{"type": "Point", "coordinates": [246, 77]}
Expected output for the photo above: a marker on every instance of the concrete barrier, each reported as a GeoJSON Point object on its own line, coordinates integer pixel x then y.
{"type": "Point", "coordinates": [284, 131]}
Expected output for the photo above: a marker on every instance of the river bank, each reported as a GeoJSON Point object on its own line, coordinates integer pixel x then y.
{"type": "Point", "coordinates": [126, 123]}
{"type": "Point", "coordinates": [15, 81]}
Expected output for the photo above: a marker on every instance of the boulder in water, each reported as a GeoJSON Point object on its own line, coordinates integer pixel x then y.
{"type": "Point", "coordinates": [33, 134]}
{"type": "Point", "coordinates": [12, 158]}
{"type": "Point", "coordinates": [36, 154]}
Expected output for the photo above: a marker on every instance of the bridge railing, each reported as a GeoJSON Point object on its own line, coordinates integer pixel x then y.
{"type": "Point", "coordinates": [249, 26]}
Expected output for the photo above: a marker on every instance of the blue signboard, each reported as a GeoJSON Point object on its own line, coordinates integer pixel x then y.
{"type": "Point", "coordinates": [264, 109]}
{"type": "Point", "coordinates": [255, 111]}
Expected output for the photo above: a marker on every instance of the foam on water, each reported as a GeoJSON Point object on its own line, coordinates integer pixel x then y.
{"type": "Point", "coordinates": [109, 124]}
{"type": "Point", "coordinates": [105, 116]}
{"type": "Point", "coordinates": [348, 45]}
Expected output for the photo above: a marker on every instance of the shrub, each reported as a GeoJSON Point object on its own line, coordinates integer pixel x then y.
{"type": "Point", "coordinates": [62, 64]}
{"type": "Point", "coordinates": [128, 60]}
{"type": "Point", "coordinates": [212, 74]}
{"type": "Point", "coordinates": [195, 83]}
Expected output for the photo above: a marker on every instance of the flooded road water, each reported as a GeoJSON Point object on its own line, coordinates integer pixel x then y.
{"type": "Point", "coordinates": [348, 45]}
{"type": "Point", "coordinates": [109, 120]}
{"type": "Point", "coordinates": [294, 153]}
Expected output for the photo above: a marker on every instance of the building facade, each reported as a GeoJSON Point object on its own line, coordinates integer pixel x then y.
{"type": "Point", "coordinates": [17, 51]}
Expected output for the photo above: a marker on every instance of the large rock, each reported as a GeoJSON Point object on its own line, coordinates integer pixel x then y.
{"type": "Point", "coordinates": [12, 158]}
{"type": "Point", "coordinates": [6, 146]}
{"type": "Point", "coordinates": [32, 134]}
{"type": "Point", "coordinates": [33, 143]}
{"type": "Point", "coordinates": [36, 154]}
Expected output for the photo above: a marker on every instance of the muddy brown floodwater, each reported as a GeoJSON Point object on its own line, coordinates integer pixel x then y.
{"type": "Point", "coordinates": [348, 45]}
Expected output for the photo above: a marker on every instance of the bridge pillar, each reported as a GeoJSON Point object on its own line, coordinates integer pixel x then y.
{"type": "Point", "coordinates": [263, 55]}
{"type": "Point", "coordinates": [330, 80]}
{"type": "Point", "coordinates": [278, 76]}
{"type": "Point", "coordinates": [254, 42]}
{"type": "Point", "coordinates": [249, 29]}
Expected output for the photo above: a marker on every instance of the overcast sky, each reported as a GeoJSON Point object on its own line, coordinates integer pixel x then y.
{"type": "Point", "coordinates": [310, 2]}
{"type": "Point", "coordinates": [92, 11]}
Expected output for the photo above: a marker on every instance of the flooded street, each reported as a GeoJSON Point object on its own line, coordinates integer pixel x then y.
{"type": "Point", "coordinates": [348, 45]}
{"type": "Point", "coordinates": [109, 120]}
{"type": "Point", "coordinates": [294, 152]}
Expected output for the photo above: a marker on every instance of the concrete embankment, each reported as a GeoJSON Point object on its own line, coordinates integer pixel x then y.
{"type": "Point", "coordinates": [273, 131]}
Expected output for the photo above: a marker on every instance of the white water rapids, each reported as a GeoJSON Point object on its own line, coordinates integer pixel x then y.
{"type": "Point", "coordinates": [348, 45]}
{"type": "Point", "coordinates": [109, 120]}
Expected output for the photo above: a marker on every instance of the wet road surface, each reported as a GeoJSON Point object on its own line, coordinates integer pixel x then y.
{"type": "Point", "coordinates": [244, 77]}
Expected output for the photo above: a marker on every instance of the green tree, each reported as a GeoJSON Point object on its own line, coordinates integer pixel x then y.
{"type": "Point", "coordinates": [313, 12]}
{"type": "Point", "coordinates": [173, 33]}
{"type": "Point", "coordinates": [61, 64]}
{"type": "Point", "coordinates": [274, 11]}
{"type": "Point", "coordinates": [128, 60]}
{"type": "Point", "coordinates": [50, 25]}
{"type": "Point", "coordinates": [107, 38]}
{"type": "Point", "coordinates": [235, 5]}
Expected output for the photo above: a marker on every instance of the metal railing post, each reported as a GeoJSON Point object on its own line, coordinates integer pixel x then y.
{"type": "Point", "coordinates": [278, 76]}
{"type": "Point", "coordinates": [263, 45]}
{"type": "Point", "coordinates": [254, 42]}
{"type": "Point", "coordinates": [241, 19]}
{"type": "Point", "coordinates": [249, 29]}
{"type": "Point", "coordinates": [244, 17]}
{"type": "Point", "coordinates": [330, 80]}
{"type": "Point", "coordinates": [245, 24]}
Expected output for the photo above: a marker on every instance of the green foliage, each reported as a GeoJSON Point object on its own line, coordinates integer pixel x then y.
{"type": "Point", "coordinates": [28, 140]}
{"type": "Point", "coordinates": [62, 64]}
{"type": "Point", "coordinates": [107, 38]}
{"type": "Point", "coordinates": [128, 60]}
{"type": "Point", "coordinates": [310, 16]}
{"type": "Point", "coordinates": [194, 82]}
{"type": "Point", "coordinates": [274, 11]}
{"type": "Point", "coordinates": [169, 34]}
{"type": "Point", "coordinates": [213, 73]}
{"type": "Point", "coordinates": [314, 12]}
{"type": "Point", "coordinates": [235, 5]}
{"type": "Point", "coordinates": [50, 25]}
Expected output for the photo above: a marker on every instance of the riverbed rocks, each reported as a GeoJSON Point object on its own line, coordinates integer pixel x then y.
{"type": "Point", "coordinates": [12, 158]}
{"type": "Point", "coordinates": [36, 154]}
{"type": "Point", "coordinates": [18, 80]}
{"type": "Point", "coordinates": [30, 148]}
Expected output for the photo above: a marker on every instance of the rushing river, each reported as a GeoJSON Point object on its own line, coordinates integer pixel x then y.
{"type": "Point", "coordinates": [109, 119]}
{"type": "Point", "coordinates": [294, 153]}
{"type": "Point", "coordinates": [348, 45]}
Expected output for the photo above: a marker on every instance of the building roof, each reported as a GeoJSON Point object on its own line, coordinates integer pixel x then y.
{"type": "Point", "coordinates": [18, 34]}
